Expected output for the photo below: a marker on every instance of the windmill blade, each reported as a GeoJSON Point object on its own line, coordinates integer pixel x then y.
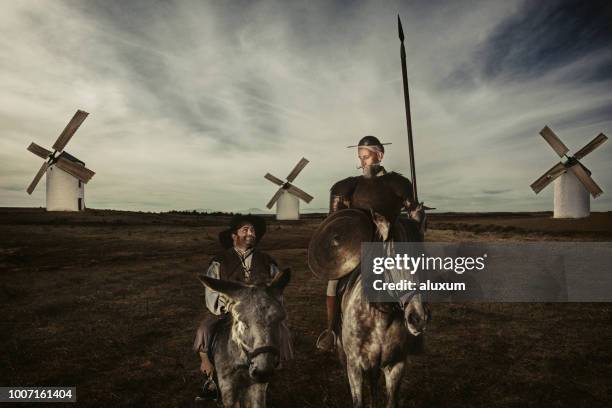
{"type": "Point", "coordinates": [37, 177]}
{"type": "Point", "coordinates": [273, 179]}
{"type": "Point", "coordinates": [547, 178]}
{"type": "Point", "coordinates": [39, 150]}
{"type": "Point", "coordinates": [275, 198]}
{"type": "Point", "coordinates": [78, 171]}
{"type": "Point", "coordinates": [296, 170]}
{"type": "Point", "coordinates": [554, 141]}
{"type": "Point", "coordinates": [592, 145]}
{"type": "Point", "coordinates": [586, 180]}
{"type": "Point", "coordinates": [299, 193]}
{"type": "Point", "coordinates": [69, 130]}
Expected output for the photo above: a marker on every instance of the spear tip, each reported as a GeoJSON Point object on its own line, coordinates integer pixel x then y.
{"type": "Point", "coordinates": [399, 27]}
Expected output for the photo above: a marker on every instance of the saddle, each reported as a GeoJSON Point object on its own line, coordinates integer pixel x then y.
{"type": "Point", "coordinates": [225, 321]}
{"type": "Point", "coordinates": [345, 283]}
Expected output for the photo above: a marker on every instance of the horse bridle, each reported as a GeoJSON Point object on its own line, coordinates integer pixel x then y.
{"type": "Point", "coordinates": [401, 303]}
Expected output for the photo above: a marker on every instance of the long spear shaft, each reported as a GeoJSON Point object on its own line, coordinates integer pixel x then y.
{"type": "Point", "coordinates": [408, 116]}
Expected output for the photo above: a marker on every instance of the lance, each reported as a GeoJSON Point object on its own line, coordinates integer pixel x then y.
{"type": "Point", "coordinates": [408, 117]}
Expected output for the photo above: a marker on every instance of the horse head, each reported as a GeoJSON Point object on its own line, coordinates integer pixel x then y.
{"type": "Point", "coordinates": [416, 315]}
{"type": "Point", "coordinates": [257, 313]}
{"type": "Point", "coordinates": [416, 312]}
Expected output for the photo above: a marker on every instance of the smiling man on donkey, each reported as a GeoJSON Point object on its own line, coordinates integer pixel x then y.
{"type": "Point", "coordinates": [241, 262]}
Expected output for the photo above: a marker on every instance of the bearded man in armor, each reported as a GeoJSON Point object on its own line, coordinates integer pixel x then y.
{"type": "Point", "coordinates": [384, 194]}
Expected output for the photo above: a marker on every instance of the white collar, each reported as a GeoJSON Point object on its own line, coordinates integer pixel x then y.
{"type": "Point", "coordinates": [244, 254]}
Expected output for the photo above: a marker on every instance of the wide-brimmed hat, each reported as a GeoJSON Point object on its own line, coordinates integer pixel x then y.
{"type": "Point", "coordinates": [237, 221]}
{"type": "Point", "coordinates": [371, 142]}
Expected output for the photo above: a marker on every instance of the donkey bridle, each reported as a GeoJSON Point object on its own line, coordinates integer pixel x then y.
{"type": "Point", "coordinates": [259, 350]}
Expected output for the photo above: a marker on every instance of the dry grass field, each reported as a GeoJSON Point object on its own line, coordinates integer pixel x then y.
{"type": "Point", "coordinates": [108, 301]}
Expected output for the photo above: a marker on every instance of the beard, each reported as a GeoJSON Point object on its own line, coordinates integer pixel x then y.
{"type": "Point", "coordinates": [371, 170]}
{"type": "Point", "coordinates": [246, 242]}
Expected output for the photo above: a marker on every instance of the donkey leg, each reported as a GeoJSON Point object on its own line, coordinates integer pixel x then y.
{"type": "Point", "coordinates": [255, 396]}
{"type": "Point", "coordinates": [355, 376]}
{"type": "Point", "coordinates": [229, 392]}
{"type": "Point", "coordinates": [393, 377]}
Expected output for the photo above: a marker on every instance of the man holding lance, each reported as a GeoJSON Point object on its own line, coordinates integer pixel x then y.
{"type": "Point", "coordinates": [383, 194]}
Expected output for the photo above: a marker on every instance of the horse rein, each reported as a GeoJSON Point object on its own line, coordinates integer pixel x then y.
{"type": "Point", "coordinates": [400, 304]}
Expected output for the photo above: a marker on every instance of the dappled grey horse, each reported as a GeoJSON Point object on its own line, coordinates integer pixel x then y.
{"type": "Point", "coordinates": [247, 351]}
{"type": "Point", "coordinates": [378, 337]}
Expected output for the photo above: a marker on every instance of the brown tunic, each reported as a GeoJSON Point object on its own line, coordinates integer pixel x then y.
{"type": "Point", "coordinates": [230, 267]}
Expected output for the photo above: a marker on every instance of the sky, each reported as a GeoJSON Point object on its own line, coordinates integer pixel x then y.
{"type": "Point", "coordinates": [192, 102]}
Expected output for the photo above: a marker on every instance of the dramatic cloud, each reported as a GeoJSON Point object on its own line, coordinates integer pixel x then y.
{"type": "Point", "coordinates": [193, 102]}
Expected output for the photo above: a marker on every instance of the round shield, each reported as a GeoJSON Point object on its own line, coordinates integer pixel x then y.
{"type": "Point", "coordinates": [335, 247]}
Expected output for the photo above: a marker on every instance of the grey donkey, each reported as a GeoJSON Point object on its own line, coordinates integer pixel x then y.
{"type": "Point", "coordinates": [247, 352]}
{"type": "Point", "coordinates": [379, 337]}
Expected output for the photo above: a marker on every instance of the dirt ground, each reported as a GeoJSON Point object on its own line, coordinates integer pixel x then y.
{"type": "Point", "coordinates": [108, 302]}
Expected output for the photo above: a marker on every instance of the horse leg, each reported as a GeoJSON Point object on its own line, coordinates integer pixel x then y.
{"type": "Point", "coordinates": [255, 396]}
{"type": "Point", "coordinates": [355, 376]}
{"type": "Point", "coordinates": [393, 377]}
{"type": "Point", "coordinates": [374, 376]}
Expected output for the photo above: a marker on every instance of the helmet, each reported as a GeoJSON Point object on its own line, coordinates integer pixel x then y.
{"type": "Point", "coordinates": [367, 141]}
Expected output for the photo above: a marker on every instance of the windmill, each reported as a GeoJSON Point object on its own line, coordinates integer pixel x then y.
{"type": "Point", "coordinates": [66, 175]}
{"type": "Point", "coordinates": [572, 187]}
{"type": "Point", "coordinates": [287, 197]}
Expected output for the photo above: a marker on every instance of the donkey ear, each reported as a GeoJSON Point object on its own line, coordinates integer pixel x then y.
{"type": "Point", "coordinates": [280, 280]}
{"type": "Point", "coordinates": [229, 289]}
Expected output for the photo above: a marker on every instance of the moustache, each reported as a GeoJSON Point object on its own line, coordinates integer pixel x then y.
{"type": "Point", "coordinates": [369, 165]}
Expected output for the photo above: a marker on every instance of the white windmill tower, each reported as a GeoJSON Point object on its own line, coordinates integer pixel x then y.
{"type": "Point", "coordinates": [572, 187]}
{"type": "Point", "coordinates": [287, 198]}
{"type": "Point", "coordinates": [66, 175]}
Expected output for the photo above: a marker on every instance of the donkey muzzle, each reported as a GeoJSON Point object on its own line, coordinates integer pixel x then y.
{"type": "Point", "coordinates": [262, 369]}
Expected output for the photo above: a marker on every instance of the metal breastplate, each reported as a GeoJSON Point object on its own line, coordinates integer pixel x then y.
{"type": "Point", "coordinates": [376, 194]}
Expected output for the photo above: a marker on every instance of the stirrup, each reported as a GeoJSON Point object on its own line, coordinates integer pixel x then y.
{"type": "Point", "coordinates": [206, 392]}
{"type": "Point", "coordinates": [335, 337]}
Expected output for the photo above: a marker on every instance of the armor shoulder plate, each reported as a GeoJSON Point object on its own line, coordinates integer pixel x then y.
{"type": "Point", "coordinates": [344, 187]}
{"type": "Point", "coordinates": [400, 184]}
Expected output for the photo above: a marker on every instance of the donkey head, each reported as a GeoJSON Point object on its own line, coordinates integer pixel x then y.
{"type": "Point", "coordinates": [257, 313]}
